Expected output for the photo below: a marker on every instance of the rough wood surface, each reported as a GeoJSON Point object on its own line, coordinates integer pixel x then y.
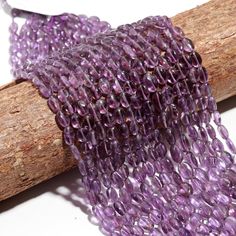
{"type": "Point", "coordinates": [212, 27]}
{"type": "Point", "coordinates": [31, 148]}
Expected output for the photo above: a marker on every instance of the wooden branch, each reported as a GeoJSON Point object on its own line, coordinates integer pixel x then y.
{"type": "Point", "coordinates": [212, 27]}
{"type": "Point", "coordinates": [31, 148]}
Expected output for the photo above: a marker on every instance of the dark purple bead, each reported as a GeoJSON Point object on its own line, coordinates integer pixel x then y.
{"type": "Point", "coordinates": [119, 207]}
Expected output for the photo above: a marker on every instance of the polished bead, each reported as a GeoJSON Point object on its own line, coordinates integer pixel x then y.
{"type": "Point", "coordinates": [62, 120]}
{"type": "Point", "coordinates": [104, 86]}
{"type": "Point", "coordinates": [223, 132]}
{"type": "Point", "coordinates": [176, 154]}
{"type": "Point", "coordinates": [148, 83]}
{"type": "Point", "coordinates": [96, 186]}
{"type": "Point", "coordinates": [112, 102]}
{"type": "Point", "coordinates": [231, 146]}
{"type": "Point", "coordinates": [119, 207]}
{"type": "Point", "coordinates": [145, 223]}
{"type": "Point", "coordinates": [112, 194]}
{"type": "Point", "coordinates": [69, 135]}
{"type": "Point", "coordinates": [53, 104]}
{"type": "Point", "coordinates": [230, 225]}
{"type": "Point", "coordinates": [117, 179]}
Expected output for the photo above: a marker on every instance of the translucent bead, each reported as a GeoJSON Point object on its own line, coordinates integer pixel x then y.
{"type": "Point", "coordinates": [98, 212]}
{"type": "Point", "coordinates": [185, 170]}
{"type": "Point", "coordinates": [119, 207]}
{"type": "Point", "coordinates": [53, 104]}
{"type": "Point", "coordinates": [204, 211]}
{"type": "Point", "coordinates": [194, 221]}
{"type": "Point", "coordinates": [167, 165]}
{"type": "Point", "coordinates": [133, 128]}
{"type": "Point", "coordinates": [185, 232]}
{"type": "Point", "coordinates": [150, 171]}
{"type": "Point", "coordinates": [212, 104]}
{"type": "Point", "coordinates": [203, 229]}
{"type": "Point", "coordinates": [62, 120]}
{"type": "Point", "coordinates": [223, 199]}
{"type": "Point", "coordinates": [218, 145]}
{"type": "Point", "coordinates": [123, 100]}
{"type": "Point", "coordinates": [81, 135]}
{"type": "Point", "coordinates": [157, 182]}
{"type": "Point", "coordinates": [211, 131]}
{"type": "Point", "coordinates": [185, 143]}
{"type": "Point", "coordinates": [185, 189]}
{"type": "Point", "coordinates": [137, 231]}
{"type": "Point", "coordinates": [106, 180]}
{"type": "Point", "coordinates": [82, 168]}
{"type": "Point", "coordinates": [109, 211]}
{"type": "Point", "coordinates": [176, 154]}
{"type": "Point", "coordinates": [223, 131]}
{"type": "Point", "coordinates": [139, 174]}
{"type": "Point", "coordinates": [104, 86]}
{"type": "Point", "coordinates": [145, 223]}
{"type": "Point", "coordinates": [155, 232]}
{"type": "Point", "coordinates": [146, 207]}
{"type": "Point", "coordinates": [116, 87]}
{"type": "Point", "coordinates": [45, 92]}
{"type": "Point", "coordinates": [230, 225]}
{"type": "Point", "coordinates": [100, 106]}
{"type": "Point", "coordinates": [96, 186]}
{"type": "Point", "coordinates": [124, 130]}
{"type": "Point", "coordinates": [112, 194]}
{"type": "Point", "coordinates": [217, 118]}
{"type": "Point", "coordinates": [148, 83]}
{"type": "Point", "coordinates": [82, 108]}
{"type": "Point", "coordinates": [231, 146]}
{"type": "Point", "coordinates": [209, 197]}
{"type": "Point", "coordinates": [146, 189]}
{"type": "Point", "coordinates": [125, 230]}
{"type": "Point", "coordinates": [108, 226]}
{"type": "Point", "coordinates": [135, 102]}
{"type": "Point", "coordinates": [117, 179]}
{"type": "Point", "coordinates": [187, 45]}
{"type": "Point", "coordinates": [62, 95]}
{"type": "Point", "coordinates": [191, 159]}
{"type": "Point", "coordinates": [192, 132]}
{"type": "Point", "coordinates": [195, 200]}
{"type": "Point", "coordinates": [137, 197]}
{"type": "Point", "coordinates": [161, 150]}
{"type": "Point", "coordinates": [155, 216]}
{"type": "Point", "coordinates": [198, 147]}
{"type": "Point", "coordinates": [69, 135]}
{"type": "Point", "coordinates": [170, 137]}
{"type": "Point", "coordinates": [203, 134]}
{"type": "Point", "coordinates": [220, 211]}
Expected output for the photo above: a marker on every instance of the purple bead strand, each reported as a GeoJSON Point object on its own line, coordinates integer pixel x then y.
{"type": "Point", "coordinates": [136, 110]}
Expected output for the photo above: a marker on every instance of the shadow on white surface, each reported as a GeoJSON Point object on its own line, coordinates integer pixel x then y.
{"type": "Point", "coordinates": [67, 179]}
{"type": "Point", "coordinates": [227, 105]}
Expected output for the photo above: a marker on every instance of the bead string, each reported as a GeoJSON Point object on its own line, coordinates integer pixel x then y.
{"type": "Point", "coordinates": [136, 110]}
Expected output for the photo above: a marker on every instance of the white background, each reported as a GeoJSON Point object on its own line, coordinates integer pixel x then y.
{"type": "Point", "coordinates": [41, 211]}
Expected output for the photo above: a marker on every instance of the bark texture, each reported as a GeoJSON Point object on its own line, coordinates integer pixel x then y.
{"type": "Point", "coordinates": [212, 28]}
{"type": "Point", "coordinates": [31, 148]}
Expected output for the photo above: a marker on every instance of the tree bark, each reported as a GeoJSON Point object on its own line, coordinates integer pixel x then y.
{"type": "Point", "coordinates": [31, 147]}
{"type": "Point", "coordinates": [212, 27]}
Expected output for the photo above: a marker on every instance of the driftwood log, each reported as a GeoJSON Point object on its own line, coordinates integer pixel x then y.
{"type": "Point", "coordinates": [31, 148]}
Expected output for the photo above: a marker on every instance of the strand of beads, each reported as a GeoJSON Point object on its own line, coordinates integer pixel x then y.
{"type": "Point", "coordinates": [42, 35]}
{"type": "Point", "coordinates": [136, 110]}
